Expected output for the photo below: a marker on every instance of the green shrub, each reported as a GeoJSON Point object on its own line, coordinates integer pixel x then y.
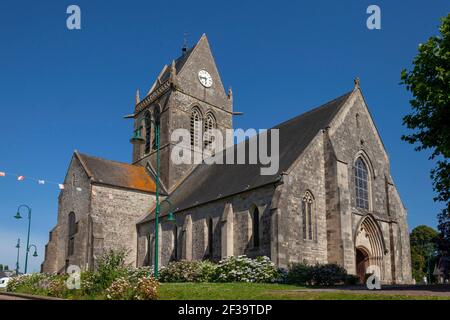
{"type": "Point", "coordinates": [300, 274]}
{"type": "Point", "coordinates": [134, 274]}
{"type": "Point", "coordinates": [39, 284]}
{"type": "Point", "coordinates": [319, 275]}
{"type": "Point", "coordinates": [352, 280]}
{"type": "Point", "coordinates": [113, 276]}
{"type": "Point", "coordinates": [110, 266]}
{"type": "Point", "coordinates": [244, 269]}
{"type": "Point", "coordinates": [35, 283]}
{"type": "Point", "coordinates": [122, 288]}
{"type": "Point", "coordinates": [146, 289]}
{"type": "Point", "coordinates": [89, 283]}
{"type": "Point", "coordinates": [187, 271]}
{"type": "Point", "coordinates": [328, 275]}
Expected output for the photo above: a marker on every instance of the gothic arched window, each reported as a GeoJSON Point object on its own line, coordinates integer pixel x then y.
{"type": "Point", "coordinates": [210, 246]}
{"type": "Point", "coordinates": [148, 131]}
{"type": "Point", "coordinates": [72, 225]}
{"type": "Point", "coordinates": [150, 245]}
{"type": "Point", "coordinates": [361, 184]}
{"type": "Point", "coordinates": [196, 128]}
{"type": "Point", "coordinates": [175, 244]}
{"type": "Point", "coordinates": [210, 125]}
{"type": "Point", "coordinates": [255, 227]}
{"type": "Point", "coordinates": [308, 217]}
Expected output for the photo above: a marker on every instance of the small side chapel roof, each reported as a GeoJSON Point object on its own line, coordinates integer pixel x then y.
{"type": "Point", "coordinates": [116, 174]}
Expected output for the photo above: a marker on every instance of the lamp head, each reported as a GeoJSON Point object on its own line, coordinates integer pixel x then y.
{"type": "Point", "coordinates": [137, 138]}
{"type": "Point", "coordinates": [18, 216]}
{"type": "Point", "coordinates": [35, 254]}
{"type": "Point", "coordinates": [171, 218]}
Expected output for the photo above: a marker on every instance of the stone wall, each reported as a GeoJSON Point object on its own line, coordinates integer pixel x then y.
{"type": "Point", "coordinates": [49, 264]}
{"type": "Point", "coordinates": [307, 174]}
{"type": "Point", "coordinates": [115, 212]}
{"type": "Point", "coordinates": [74, 198]}
{"type": "Point", "coordinates": [106, 220]}
{"type": "Point", "coordinates": [231, 215]}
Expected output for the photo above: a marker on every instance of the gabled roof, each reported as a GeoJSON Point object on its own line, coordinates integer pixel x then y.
{"type": "Point", "coordinates": [211, 182]}
{"type": "Point", "coordinates": [116, 174]}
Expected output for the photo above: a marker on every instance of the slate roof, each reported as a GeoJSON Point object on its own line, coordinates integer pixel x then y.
{"type": "Point", "coordinates": [179, 63]}
{"type": "Point", "coordinates": [117, 173]}
{"type": "Point", "coordinates": [211, 182]}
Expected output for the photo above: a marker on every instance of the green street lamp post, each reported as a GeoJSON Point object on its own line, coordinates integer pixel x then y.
{"type": "Point", "coordinates": [18, 252]}
{"type": "Point", "coordinates": [18, 216]}
{"type": "Point", "coordinates": [137, 139]}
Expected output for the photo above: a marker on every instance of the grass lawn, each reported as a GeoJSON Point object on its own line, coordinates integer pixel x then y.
{"type": "Point", "coordinates": [250, 291]}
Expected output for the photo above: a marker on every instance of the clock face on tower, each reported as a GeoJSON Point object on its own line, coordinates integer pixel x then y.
{"type": "Point", "coordinates": [205, 78]}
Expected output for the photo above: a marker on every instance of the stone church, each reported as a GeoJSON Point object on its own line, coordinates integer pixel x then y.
{"type": "Point", "coordinates": [333, 199]}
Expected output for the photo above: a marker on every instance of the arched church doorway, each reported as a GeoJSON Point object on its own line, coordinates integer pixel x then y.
{"type": "Point", "coordinates": [369, 248]}
{"type": "Point", "coordinates": [362, 263]}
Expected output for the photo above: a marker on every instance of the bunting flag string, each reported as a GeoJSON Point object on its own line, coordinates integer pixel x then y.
{"type": "Point", "coordinates": [21, 178]}
{"type": "Point", "coordinates": [41, 182]}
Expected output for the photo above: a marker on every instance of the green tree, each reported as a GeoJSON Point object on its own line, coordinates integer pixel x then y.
{"type": "Point", "coordinates": [424, 241]}
{"type": "Point", "coordinates": [1, 267]}
{"type": "Point", "coordinates": [429, 83]}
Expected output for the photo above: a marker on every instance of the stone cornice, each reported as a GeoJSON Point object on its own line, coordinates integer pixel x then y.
{"type": "Point", "coordinates": [149, 99]}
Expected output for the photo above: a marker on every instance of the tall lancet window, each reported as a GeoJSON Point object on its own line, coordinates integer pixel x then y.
{"type": "Point", "coordinates": [210, 246]}
{"type": "Point", "coordinates": [196, 128]}
{"type": "Point", "coordinates": [210, 125]}
{"type": "Point", "coordinates": [255, 227]}
{"type": "Point", "coordinates": [148, 131]}
{"type": "Point", "coordinates": [71, 234]}
{"type": "Point", "coordinates": [174, 256]}
{"type": "Point", "coordinates": [361, 184]}
{"type": "Point", "coordinates": [308, 217]}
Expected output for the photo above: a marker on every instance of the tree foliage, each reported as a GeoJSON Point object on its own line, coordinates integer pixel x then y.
{"type": "Point", "coordinates": [429, 83]}
{"type": "Point", "coordinates": [424, 241]}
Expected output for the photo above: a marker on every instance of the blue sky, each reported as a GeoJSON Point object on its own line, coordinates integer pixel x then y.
{"type": "Point", "coordinates": [62, 90]}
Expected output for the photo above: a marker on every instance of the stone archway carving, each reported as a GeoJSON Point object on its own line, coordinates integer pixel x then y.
{"type": "Point", "coordinates": [369, 243]}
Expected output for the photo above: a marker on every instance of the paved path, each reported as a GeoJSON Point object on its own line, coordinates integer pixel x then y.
{"type": "Point", "coordinates": [438, 290]}
{"type": "Point", "coordinates": [5, 297]}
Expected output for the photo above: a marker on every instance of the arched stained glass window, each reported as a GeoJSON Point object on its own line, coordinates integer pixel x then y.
{"type": "Point", "coordinates": [361, 184]}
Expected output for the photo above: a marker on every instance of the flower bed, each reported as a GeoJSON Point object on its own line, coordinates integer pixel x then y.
{"type": "Point", "coordinates": [114, 280]}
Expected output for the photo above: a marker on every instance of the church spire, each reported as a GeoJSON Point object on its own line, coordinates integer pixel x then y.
{"type": "Point", "coordinates": [138, 98]}
{"type": "Point", "coordinates": [173, 68]}
{"type": "Point", "coordinates": [185, 43]}
{"type": "Point", "coordinates": [230, 93]}
{"type": "Point", "coordinates": [356, 81]}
